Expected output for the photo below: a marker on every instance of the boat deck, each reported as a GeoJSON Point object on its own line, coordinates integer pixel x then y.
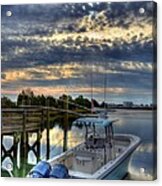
{"type": "Point", "coordinates": [83, 162]}
{"type": "Point", "coordinates": [87, 161]}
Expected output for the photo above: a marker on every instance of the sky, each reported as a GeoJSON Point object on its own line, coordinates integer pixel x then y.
{"type": "Point", "coordinates": [56, 49]}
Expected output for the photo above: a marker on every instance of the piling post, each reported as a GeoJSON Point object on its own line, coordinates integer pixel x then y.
{"type": "Point", "coordinates": [15, 153]}
{"type": "Point", "coordinates": [24, 136]}
{"type": "Point", "coordinates": [2, 149]}
{"type": "Point", "coordinates": [24, 145]}
{"type": "Point", "coordinates": [65, 125]}
{"type": "Point", "coordinates": [15, 148]}
{"type": "Point", "coordinates": [38, 145]}
{"type": "Point", "coordinates": [48, 134]}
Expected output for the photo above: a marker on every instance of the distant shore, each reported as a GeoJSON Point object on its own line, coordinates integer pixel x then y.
{"type": "Point", "coordinates": [132, 108]}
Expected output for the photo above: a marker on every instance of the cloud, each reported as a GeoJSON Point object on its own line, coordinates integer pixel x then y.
{"type": "Point", "coordinates": [55, 36]}
{"type": "Point", "coordinates": [122, 80]}
{"type": "Point", "coordinates": [60, 47]}
{"type": "Point", "coordinates": [76, 70]}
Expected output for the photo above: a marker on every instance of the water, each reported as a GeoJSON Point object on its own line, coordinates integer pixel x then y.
{"type": "Point", "coordinates": [137, 122]}
{"type": "Point", "coordinates": [143, 161]}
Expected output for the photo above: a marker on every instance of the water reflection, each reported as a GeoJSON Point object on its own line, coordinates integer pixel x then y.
{"type": "Point", "coordinates": [140, 123]}
{"type": "Point", "coordinates": [142, 163]}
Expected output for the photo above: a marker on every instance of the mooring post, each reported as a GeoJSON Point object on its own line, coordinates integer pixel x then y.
{"type": "Point", "coordinates": [2, 149]}
{"type": "Point", "coordinates": [15, 146]}
{"type": "Point", "coordinates": [65, 125]}
{"type": "Point", "coordinates": [65, 139]}
{"type": "Point", "coordinates": [24, 138]}
{"type": "Point", "coordinates": [48, 134]}
{"type": "Point", "coordinates": [23, 153]}
{"type": "Point", "coordinates": [16, 140]}
{"type": "Point", "coordinates": [38, 145]}
{"type": "Point", "coordinates": [42, 123]}
{"type": "Point", "coordinates": [24, 145]}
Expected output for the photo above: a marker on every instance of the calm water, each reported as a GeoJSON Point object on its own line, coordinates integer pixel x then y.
{"type": "Point", "coordinates": [140, 123]}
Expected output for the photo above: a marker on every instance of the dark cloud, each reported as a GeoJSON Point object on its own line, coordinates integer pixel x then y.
{"type": "Point", "coordinates": [39, 54]}
{"type": "Point", "coordinates": [23, 45]}
{"type": "Point", "coordinates": [42, 20]}
{"type": "Point", "coordinates": [55, 12]}
{"type": "Point", "coordinates": [123, 79]}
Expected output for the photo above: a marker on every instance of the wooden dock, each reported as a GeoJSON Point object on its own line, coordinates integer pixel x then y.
{"type": "Point", "coordinates": [20, 122]}
{"type": "Point", "coordinates": [30, 118]}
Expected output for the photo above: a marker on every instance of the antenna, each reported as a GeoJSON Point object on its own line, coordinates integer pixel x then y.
{"type": "Point", "coordinates": [92, 105]}
{"type": "Point", "coordinates": [105, 89]}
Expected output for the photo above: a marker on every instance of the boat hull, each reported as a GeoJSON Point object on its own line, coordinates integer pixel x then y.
{"type": "Point", "coordinates": [119, 172]}
{"type": "Point", "coordinates": [115, 169]}
{"type": "Point", "coordinates": [120, 169]}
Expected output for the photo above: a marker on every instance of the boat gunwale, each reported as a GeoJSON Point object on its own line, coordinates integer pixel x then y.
{"type": "Point", "coordinates": [109, 166]}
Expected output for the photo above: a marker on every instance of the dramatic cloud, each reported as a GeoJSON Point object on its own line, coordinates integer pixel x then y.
{"type": "Point", "coordinates": [57, 48]}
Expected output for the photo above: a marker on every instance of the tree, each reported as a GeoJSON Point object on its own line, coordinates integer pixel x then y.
{"type": "Point", "coordinates": [7, 103]}
{"type": "Point", "coordinates": [80, 100]}
{"type": "Point", "coordinates": [20, 99]}
{"type": "Point", "coordinates": [87, 103]}
{"type": "Point", "coordinates": [25, 97]}
{"type": "Point", "coordinates": [95, 103]}
{"type": "Point", "coordinates": [51, 101]}
{"type": "Point", "coordinates": [104, 105]}
{"type": "Point", "coordinates": [62, 101]}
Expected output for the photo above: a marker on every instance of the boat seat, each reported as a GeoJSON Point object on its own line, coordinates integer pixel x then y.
{"type": "Point", "coordinates": [95, 143]}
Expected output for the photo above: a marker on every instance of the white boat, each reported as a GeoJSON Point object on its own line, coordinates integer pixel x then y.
{"type": "Point", "coordinates": [100, 156]}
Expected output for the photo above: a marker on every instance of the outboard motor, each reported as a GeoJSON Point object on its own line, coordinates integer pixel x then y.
{"type": "Point", "coordinates": [41, 170]}
{"type": "Point", "coordinates": [59, 171]}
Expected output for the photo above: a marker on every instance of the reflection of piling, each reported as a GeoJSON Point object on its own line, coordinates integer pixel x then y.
{"type": "Point", "coordinates": [15, 150]}
{"type": "Point", "coordinates": [65, 125]}
{"type": "Point", "coordinates": [38, 145]}
{"type": "Point", "coordinates": [65, 140]}
{"type": "Point", "coordinates": [48, 135]}
{"type": "Point", "coordinates": [24, 139]}
{"type": "Point", "coordinates": [3, 150]}
{"type": "Point", "coordinates": [23, 149]}
{"type": "Point", "coordinates": [23, 146]}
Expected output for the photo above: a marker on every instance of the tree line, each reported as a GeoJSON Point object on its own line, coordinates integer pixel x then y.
{"type": "Point", "coordinates": [27, 97]}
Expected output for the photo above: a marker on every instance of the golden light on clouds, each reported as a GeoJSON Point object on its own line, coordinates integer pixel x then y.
{"type": "Point", "coordinates": [16, 75]}
{"type": "Point", "coordinates": [49, 72]}
{"type": "Point", "coordinates": [53, 57]}
{"type": "Point", "coordinates": [95, 34]}
{"type": "Point", "coordinates": [72, 70]}
{"type": "Point", "coordinates": [59, 90]}
{"type": "Point", "coordinates": [137, 66]}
